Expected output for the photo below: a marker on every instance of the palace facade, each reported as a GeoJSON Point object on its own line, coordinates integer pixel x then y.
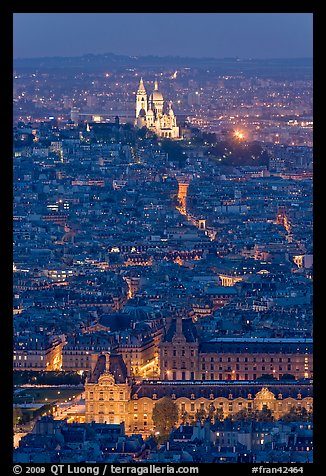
{"type": "Point", "coordinates": [113, 398]}
{"type": "Point", "coordinates": [220, 374]}
{"type": "Point", "coordinates": [183, 356]}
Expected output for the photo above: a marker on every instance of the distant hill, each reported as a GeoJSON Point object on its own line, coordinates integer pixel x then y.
{"type": "Point", "coordinates": [301, 68]}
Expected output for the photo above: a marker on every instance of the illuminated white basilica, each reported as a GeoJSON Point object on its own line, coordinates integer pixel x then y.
{"type": "Point", "coordinates": [149, 113]}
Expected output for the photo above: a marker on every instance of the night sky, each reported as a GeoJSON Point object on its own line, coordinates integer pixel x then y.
{"type": "Point", "coordinates": [219, 35]}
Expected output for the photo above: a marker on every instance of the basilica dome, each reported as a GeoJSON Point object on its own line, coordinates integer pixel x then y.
{"type": "Point", "coordinates": [156, 95]}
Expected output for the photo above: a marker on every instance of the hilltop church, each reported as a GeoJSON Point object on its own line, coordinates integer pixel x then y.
{"type": "Point", "coordinates": [150, 114]}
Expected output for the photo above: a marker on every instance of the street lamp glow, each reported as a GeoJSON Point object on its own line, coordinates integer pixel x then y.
{"type": "Point", "coordinates": [238, 135]}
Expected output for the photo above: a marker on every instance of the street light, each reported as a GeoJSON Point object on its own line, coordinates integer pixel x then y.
{"type": "Point", "coordinates": [238, 135]}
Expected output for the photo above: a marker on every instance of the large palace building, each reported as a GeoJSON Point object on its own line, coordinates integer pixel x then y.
{"type": "Point", "coordinates": [184, 357]}
{"type": "Point", "coordinates": [150, 113]}
{"type": "Point", "coordinates": [203, 376]}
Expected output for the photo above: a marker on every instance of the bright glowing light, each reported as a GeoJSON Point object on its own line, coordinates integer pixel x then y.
{"type": "Point", "coordinates": [239, 135]}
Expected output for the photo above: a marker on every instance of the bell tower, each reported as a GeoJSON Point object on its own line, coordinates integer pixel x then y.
{"type": "Point", "coordinates": [141, 98]}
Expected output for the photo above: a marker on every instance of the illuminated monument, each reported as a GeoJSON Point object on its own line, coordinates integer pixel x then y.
{"type": "Point", "coordinates": [150, 113]}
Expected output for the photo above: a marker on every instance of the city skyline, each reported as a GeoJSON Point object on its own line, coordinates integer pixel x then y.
{"type": "Point", "coordinates": [218, 35]}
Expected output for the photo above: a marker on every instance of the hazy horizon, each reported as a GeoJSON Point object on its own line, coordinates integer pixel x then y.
{"type": "Point", "coordinates": [166, 56]}
{"type": "Point", "coordinates": [192, 35]}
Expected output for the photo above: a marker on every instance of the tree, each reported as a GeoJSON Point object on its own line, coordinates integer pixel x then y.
{"type": "Point", "coordinates": [287, 377]}
{"type": "Point", "coordinates": [17, 415]}
{"type": "Point", "coordinates": [141, 133]}
{"type": "Point", "coordinates": [291, 415]}
{"type": "Point", "coordinates": [266, 377]}
{"type": "Point", "coordinates": [201, 415]}
{"type": "Point", "coordinates": [219, 414]}
{"type": "Point", "coordinates": [184, 417]}
{"type": "Point", "coordinates": [264, 415]}
{"type": "Point", "coordinates": [296, 414]}
{"type": "Point", "coordinates": [243, 415]}
{"type": "Point", "coordinates": [165, 415]}
{"type": "Point", "coordinates": [175, 151]}
{"type": "Point", "coordinates": [211, 412]}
